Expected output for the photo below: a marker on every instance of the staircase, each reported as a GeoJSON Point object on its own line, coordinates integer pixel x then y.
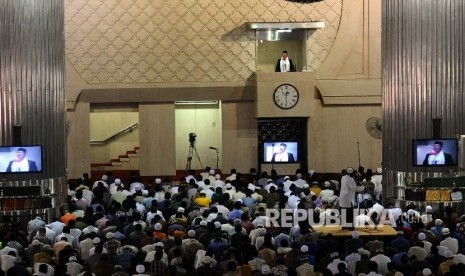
{"type": "Point", "coordinates": [128, 161]}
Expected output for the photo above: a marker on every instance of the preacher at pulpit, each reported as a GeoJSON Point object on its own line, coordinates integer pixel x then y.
{"type": "Point", "coordinates": [285, 64]}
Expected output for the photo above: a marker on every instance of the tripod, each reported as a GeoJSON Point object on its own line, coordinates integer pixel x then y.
{"type": "Point", "coordinates": [192, 152]}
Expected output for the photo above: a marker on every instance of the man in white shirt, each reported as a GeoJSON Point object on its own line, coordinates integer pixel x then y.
{"type": "Point", "coordinates": [232, 176]}
{"type": "Point", "coordinates": [205, 173]}
{"type": "Point", "coordinates": [73, 267]}
{"type": "Point", "coordinates": [35, 224]}
{"type": "Point", "coordinates": [114, 186]}
{"type": "Point", "coordinates": [103, 180]}
{"type": "Point", "coordinates": [238, 195]}
{"type": "Point", "coordinates": [211, 176]}
{"type": "Point", "coordinates": [382, 261]}
{"type": "Point", "coordinates": [426, 244]}
{"type": "Point", "coordinates": [347, 197]}
{"type": "Point", "coordinates": [449, 242]}
{"type": "Point", "coordinates": [327, 192]}
{"type": "Point", "coordinates": [299, 182]}
{"type": "Point", "coordinates": [351, 260]}
{"type": "Point", "coordinates": [218, 182]}
{"type": "Point", "coordinates": [84, 248]}
{"type": "Point", "coordinates": [287, 183]}
{"type": "Point", "coordinates": [269, 185]}
{"type": "Point", "coordinates": [335, 261]}
{"type": "Point", "coordinates": [56, 226]}
{"type": "Point", "coordinates": [230, 189]}
{"type": "Point", "coordinates": [70, 238]}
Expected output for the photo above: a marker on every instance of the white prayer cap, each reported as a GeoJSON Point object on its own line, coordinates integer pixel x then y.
{"type": "Point", "coordinates": [158, 226]}
{"type": "Point", "coordinates": [203, 223]}
{"type": "Point", "coordinates": [438, 222]}
{"type": "Point", "coordinates": [217, 224]}
{"type": "Point", "coordinates": [426, 272]}
{"type": "Point", "coordinates": [96, 240]}
{"type": "Point", "coordinates": [109, 235]}
{"type": "Point", "coordinates": [117, 181]}
{"type": "Point", "coordinates": [304, 248]}
{"type": "Point", "coordinates": [421, 236]}
{"type": "Point", "coordinates": [266, 269]}
{"type": "Point", "coordinates": [145, 192]}
{"type": "Point", "coordinates": [211, 172]}
{"type": "Point", "coordinates": [355, 234]}
{"type": "Point", "coordinates": [445, 231]}
{"type": "Point", "coordinates": [217, 176]}
{"type": "Point", "coordinates": [104, 177]}
{"type": "Point", "coordinates": [350, 170]}
{"type": "Point", "coordinates": [191, 233]}
{"type": "Point", "coordinates": [429, 209]}
{"type": "Point", "coordinates": [72, 259]}
{"type": "Point", "coordinates": [181, 210]}
{"type": "Point", "coordinates": [311, 172]}
{"type": "Point", "coordinates": [228, 186]}
{"type": "Point", "coordinates": [448, 254]}
{"type": "Point", "coordinates": [327, 184]}
{"type": "Point", "coordinates": [159, 244]}
{"type": "Point", "coordinates": [286, 177]}
{"type": "Point", "coordinates": [140, 269]}
{"type": "Point", "coordinates": [379, 170]}
{"type": "Point", "coordinates": [157, 181]}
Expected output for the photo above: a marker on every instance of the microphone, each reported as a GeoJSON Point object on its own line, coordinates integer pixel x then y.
{"type": "Point", "coordinates": [213, 148]}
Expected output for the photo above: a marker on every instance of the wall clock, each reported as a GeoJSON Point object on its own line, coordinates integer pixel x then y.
{"type": "Point", "coordinates": [286, 96]}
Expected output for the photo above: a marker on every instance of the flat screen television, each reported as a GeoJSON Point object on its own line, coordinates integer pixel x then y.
{"type": "Point", "coordinates": [280, 152]}
{"type": "Point", "coordinates": [20, 159]}
{"type": "Point", "coordinates": [435, 152]}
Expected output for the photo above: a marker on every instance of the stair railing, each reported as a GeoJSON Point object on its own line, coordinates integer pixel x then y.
{"type": "Point", "coordinates": [114, 136]}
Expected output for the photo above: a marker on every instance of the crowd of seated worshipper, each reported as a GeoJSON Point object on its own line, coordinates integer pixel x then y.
{"type": "Point", "coordinates": [209, 224]}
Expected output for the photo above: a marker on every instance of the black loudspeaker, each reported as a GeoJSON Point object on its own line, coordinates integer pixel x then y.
{"type": "Point", "coordinates": [17, 140]}
{"type": "Point", "coordinates": [437, 129]}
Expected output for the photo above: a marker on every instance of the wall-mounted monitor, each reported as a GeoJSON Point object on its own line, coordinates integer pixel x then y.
{"type": "Point", "coordinates": [20, 159]}
{"type": "Point", "coordinates": [280, 152]}
{"type": "Point", "coordinates": [435, 152]}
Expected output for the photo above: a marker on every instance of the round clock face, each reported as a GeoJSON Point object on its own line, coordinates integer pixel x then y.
{"type": "Point", "coordinates": [286, 96]}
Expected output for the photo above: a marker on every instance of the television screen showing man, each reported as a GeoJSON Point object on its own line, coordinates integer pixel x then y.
{"type": "Point", "coordinates": [437, 156]}
{"type": "Point", "coordinates": [282, 155]}
{"type": "Point", "coordinates": [21, 163]}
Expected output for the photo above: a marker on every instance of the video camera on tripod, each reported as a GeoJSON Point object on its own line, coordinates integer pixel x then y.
{"type": "Point", "coordinates": [192, 151]}
{"type": "Point", "coordinates": [192, 138]}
